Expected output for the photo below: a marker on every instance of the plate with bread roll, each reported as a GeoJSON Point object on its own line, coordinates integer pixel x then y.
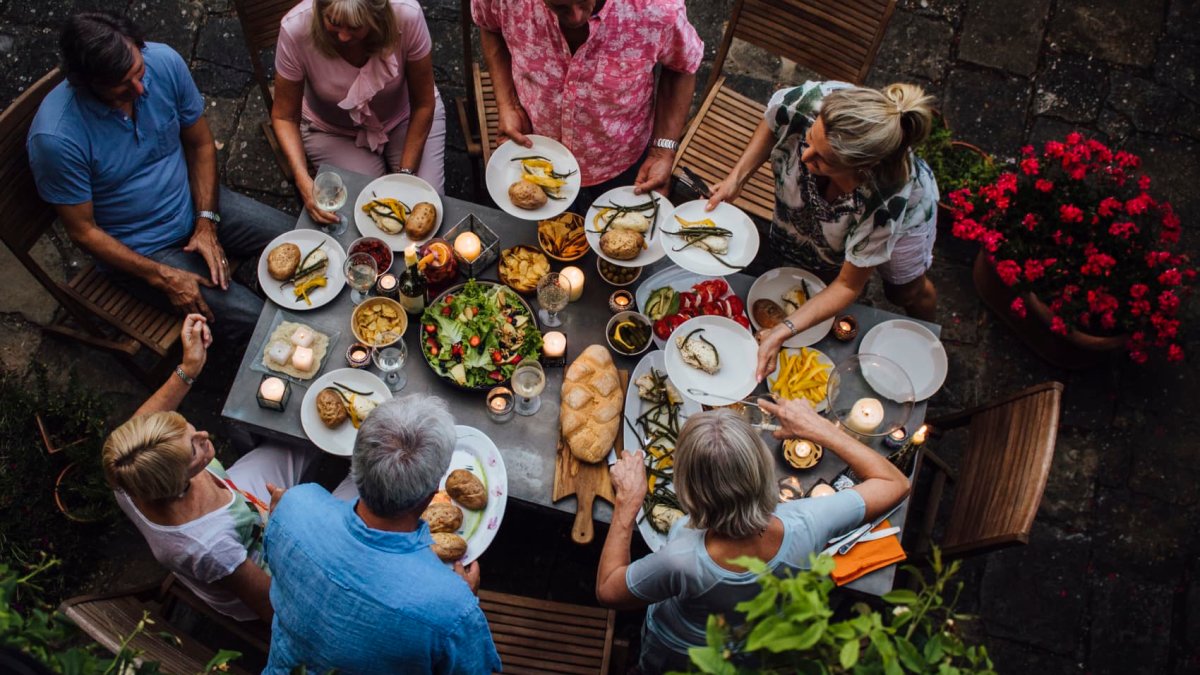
{"type": "Point", "coordinates": [778, 293]}
{"type": "Point", "coordinates": [399, 209]}
{"type": "Point", "coordinates": [466, 512]}
{"type": "Point", "coordinates": [533, 183]}
{"type": "Point", "coordinates": [302, 269]}
{"type": "Point", "coordinates": [336, 404]}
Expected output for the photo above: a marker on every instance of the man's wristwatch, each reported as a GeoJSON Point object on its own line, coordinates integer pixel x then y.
{"type": "Point", "coordinates": [665, 144]}
{"type": "Point", "coordinates": [407, 172]}
{"type": "Point", "coordinates": [211, 215]}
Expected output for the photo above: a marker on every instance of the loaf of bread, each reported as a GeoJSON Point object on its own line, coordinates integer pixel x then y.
{"type": "Point", "coordinates": [591, 405]}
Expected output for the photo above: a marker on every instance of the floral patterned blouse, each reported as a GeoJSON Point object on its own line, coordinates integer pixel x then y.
{"type": "Point", "coordinates": [599, 101]}
{"type": "Point", "coordinates": [860, 227]}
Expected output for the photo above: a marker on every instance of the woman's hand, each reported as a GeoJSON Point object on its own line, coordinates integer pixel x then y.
{"type": "Point", "coordinates": [768, 350]}
{"type": "Point", "coordinates": [798, 419]}
{"type": "Point", "coordinates": [196, 338]}
{"type": "Point", "coordinates": [304, 185]}
{"type": "Point", "coordinates": [727, 190]}
{"type": "Point", "coordinates": [629, 480]}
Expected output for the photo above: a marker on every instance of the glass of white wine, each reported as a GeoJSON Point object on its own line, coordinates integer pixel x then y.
{"type": "Point", "coordinates": [553, 293]}
{"type": "Point", "coordinates": [361, 271]}
{"type": "Point", "coordinates": [390, 358]}
{"type": "Point", "coordinates": [528, 381]}
{"type": "Point", "coordinates": [330, 194]}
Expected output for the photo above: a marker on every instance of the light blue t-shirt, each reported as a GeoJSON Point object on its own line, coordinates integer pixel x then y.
{"type": "Point", "coordinates": [685, 584]}
{"type": "Point", "coordinates": [366, 601]}
{"type": "Point", "coordinates": [134, 173]}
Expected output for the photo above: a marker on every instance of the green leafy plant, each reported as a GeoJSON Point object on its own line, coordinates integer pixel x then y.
{"type": "Point", "coordinates": [790, 628]}
{"type": "Point", "coordinates": [955, 165]}
{"type": "Point", "coordinates": [29, 625]}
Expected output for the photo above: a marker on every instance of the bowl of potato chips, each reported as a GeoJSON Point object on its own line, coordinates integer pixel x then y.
{"type": "Point", "coordinates": [562, 237]}
{"type": "Point", "coordinates": [376, 320]}
{"type": "Point", "coordinates": [521, 267]}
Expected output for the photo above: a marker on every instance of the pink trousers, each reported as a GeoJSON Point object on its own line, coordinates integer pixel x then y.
{"type": "Point", "coordinates": [326, 148]}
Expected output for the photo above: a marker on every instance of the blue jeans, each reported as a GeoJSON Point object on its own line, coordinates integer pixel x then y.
{"type": "Point", "coordinates": [246, 227]}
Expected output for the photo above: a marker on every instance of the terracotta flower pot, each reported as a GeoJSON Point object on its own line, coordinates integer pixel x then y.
{"type": "Point", "coordinates": [1074, 351]}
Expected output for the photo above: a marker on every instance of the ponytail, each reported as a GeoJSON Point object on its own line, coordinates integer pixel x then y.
{"type": "Point", "coordinates": [873, 130]}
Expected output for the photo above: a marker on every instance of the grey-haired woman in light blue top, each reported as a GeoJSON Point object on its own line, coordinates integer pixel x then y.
{"type": "Point", "coordinates": [725, 480]}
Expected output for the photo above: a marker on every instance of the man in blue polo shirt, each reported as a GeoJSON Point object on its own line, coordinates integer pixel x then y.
{"type": "Point", "coordinates": [123, 152]}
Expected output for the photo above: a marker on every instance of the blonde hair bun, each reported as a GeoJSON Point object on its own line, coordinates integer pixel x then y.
{"type": "Point", "coordinates": [873, 130]}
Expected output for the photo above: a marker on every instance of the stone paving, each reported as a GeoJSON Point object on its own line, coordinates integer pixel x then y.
{"type": "Point", "coordinates": [1111, 579]}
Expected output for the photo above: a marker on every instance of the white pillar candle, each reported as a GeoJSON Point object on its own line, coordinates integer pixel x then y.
{"type": "Point", "coordinates": [866, 415]}
{"type": "Point", "coordinates": [554, 344]}
{"type": "Point", "coordinates": [575, 276]}
{"type": "Point", "coordinates": [271, 389]}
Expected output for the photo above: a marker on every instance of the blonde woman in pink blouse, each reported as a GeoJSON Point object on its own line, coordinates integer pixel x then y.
{"type": "Point", "coordinates": [354, 88]}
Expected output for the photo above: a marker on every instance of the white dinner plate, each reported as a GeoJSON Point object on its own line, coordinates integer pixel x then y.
{"type": "Point", "coordinates": [476, 453]}
{"type": "Point", "coordinates": [772, 285]}
{"type": "Point", "coordinates": [822, 357]}
{"type": "Point", "coordinates": [307, 240]}
{"type": "Point", "coordinates": [677, 278]}
{"type": "Point", "coordinates": [339, 441]}
{"type": "Point", "coordinates": [502, 172]}
{"type": "Point", "coordinates": [624, 196]}
{"type": "Point", "coordinates": [743, 244]}
{"type": "Point", "coordinates": [914, 349]}
{"type": "Point", "coordinates": [408, 189]}
{"type": "Point", "coordinates": [738, 352]}
{"type": "Point", "coordinates": [634, 407]}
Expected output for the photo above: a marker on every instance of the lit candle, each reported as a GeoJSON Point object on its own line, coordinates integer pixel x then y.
{"type": "Point", "coordinates": [271, 389]}
{"type": "Point", "coordinates": [468, 245]}
{"type": "Point", "coordinates": [387, 284]}
{"type": "Point", "coordinates": [500, 404]}
{"type": "Point", "coordinates": [866, 415]}
{"type": "Point", "coordinates": [845, 328]}
{"type": "Point", "coordinates": [554, 344]}
{"type": "Point", "coordinates": [574, 275]}
{"type": "Point", "coordinates": [358, 355]}
{"type": "Point", "coordinates": [918, 437]}
{"type": "Point", "coordinates": [620, 301]}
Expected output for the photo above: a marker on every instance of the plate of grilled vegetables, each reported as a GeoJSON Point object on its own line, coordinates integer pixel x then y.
{"type": "Point", "coordinates": [778, 293]}
{"type": "Point", "coordinates": [626, 228]}
{"type": "Point", "coordinates": [533, 183]}
{"type": "Point", "coordinates": [336, 404]}
{"type": "Point", "coordinates": [711, 360]}
{"type": "Point", "coordinates": [399, 209]}
{"type": "Point", "coordinates": [301, 269]}
{"type": "Point", "coordinates": [714, 243]}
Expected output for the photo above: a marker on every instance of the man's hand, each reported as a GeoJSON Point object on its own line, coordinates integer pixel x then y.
{"type": "Point", "coordinates": [304, 185]}
{"type": "Point", "coordinates": [629, 480]}
{"type": "Point", "coordinates": [470, 574]}
{"type": "Point", "coordinates": [183, 290]}
{"type": "Point", "coordinates": [655, 173]}
{"type": "Point", "coordinates": [204, 241]}
{"type": "Point", "coordinates": [513, 124]}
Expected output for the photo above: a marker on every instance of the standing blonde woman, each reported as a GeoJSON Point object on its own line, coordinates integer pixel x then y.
{"type": "Point", "coordinates": [354, 88]}
{"type": "Point", "coordinates": [202, 522]}
{"type": "Point", "coordinates": [850, 196]}
{"type": "Point", "coordinates": [725, 480]}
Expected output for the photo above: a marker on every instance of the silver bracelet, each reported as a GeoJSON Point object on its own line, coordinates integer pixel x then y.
{"type": "Point", "coordinates": [406, 172]}
{"type": "Point", "coordinates": [187, 379]}
{"type": "Point", "coordinates": [790, 326]}
{"type": "Point", "coordinates": [665, 144]}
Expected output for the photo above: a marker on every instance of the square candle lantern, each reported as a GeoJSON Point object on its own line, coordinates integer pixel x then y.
{"type": "Point", "coordinates": [273, 393]}
{"type": "Point", "coordinates": [475, 245]}
{"type": "Point", "coordinates": [554, 349]}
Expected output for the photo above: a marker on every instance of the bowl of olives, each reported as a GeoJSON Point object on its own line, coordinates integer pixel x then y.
{"type": "Point", "coordinates": [616, 275]}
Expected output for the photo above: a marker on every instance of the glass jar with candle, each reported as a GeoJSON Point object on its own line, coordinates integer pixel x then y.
{"type": "Point", "coordinates": [845, 328]}
{"type": "Point", "coordinates": [500, 404]}
{"type": "Point", "coordinates": [386, 285]}
{"type": "Point", "coordinates": [358, 355]}
{"type": "Point", "coordinates": [620, 301]}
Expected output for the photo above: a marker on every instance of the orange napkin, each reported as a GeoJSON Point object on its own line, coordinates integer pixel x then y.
{"type": "Point", "coordinates": [866, 557]}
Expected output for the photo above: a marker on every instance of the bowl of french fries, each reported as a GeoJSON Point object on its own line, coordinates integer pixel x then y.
{"type": "Point", "coordinates": [521, 267]}
{"type": "Point", "coordinates": [562, 237]}
{"type": "Point", "coordinates": [802, 374]}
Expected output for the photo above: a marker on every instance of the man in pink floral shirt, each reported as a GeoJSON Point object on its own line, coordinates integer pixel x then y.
{"type": "Point", "coordinates": [582, 71]}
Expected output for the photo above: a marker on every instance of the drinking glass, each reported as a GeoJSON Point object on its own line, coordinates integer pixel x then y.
{"type": "Point", "coordinates": [330, 194]}
{"type": "Point", "coordinates": [361, 271]}
{"type": "Point", "coordinates": [528, 381]}
{"type": "Point", "coordinates": [553, 293]}
{"type": "Point", "coordinates": [390, 358]}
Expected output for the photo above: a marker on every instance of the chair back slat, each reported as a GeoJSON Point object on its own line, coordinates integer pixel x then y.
{"type": "Point", "coordinates": [548, 637]}
{"type": "Point", "coordinates": [260, 27]}
{"type": "Point", "coordinates": [24, 217]}
{"type": "Point", "coordinates": [1007, 462]}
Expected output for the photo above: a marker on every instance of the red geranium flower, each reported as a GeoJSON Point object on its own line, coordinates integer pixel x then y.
{"type": "Point", "coordinates": [1043, 185]}
{"type": "Point", "coordinates": [1030, 166]}
{"type": "Point", "coordinates": [1018, 307]}
{"type": "Point", "coordinates": [1069, 213]}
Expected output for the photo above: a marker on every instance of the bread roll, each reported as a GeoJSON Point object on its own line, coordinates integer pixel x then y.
{"type": "Point", "coordinates": [591, 405]}
{"type": "Point", "coordinates": [526, 195]}
{"type": "Point", "coordinates": [421, 221]}
{"type": "Point", "coordinates": [282, 261]}
{"type": "Point", "coordinates": [466, 489]}
{"type": "Point", "coordinates": [331, 408]}
{"type": "Point", "coordinates": [443, 517]}
{"type": "Point", "coordinates": [449, 546]}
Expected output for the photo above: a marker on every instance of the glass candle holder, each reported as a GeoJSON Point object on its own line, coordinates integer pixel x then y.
{"type": "Point", "coordinates": [845, 328]}
{"type": "Point", "coordinates": [273, 393]}
{"type": "Point", "coordinates": [387, 285]}
{"type": "Point", "coordinates": [500, 403]}
{"type": "Point", "coordinates": [620, 301]}
{"type": "Point", "coordinates": [358, 355]}
{"type": "Point", "coordinates": [473, 253]}
{"type": "Point", "coordinates": [896, 439]}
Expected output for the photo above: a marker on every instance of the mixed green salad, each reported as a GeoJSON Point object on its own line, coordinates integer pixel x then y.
{"type": "Point", "coordinates": [477, 336]}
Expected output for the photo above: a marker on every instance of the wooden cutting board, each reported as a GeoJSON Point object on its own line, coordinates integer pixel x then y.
{"type": "Point", "coordinates": [586, 481]}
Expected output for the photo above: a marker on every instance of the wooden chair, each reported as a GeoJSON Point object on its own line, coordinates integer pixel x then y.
{"type": "Point", "coordinates": [835, 38]}
{"type": "Point", "coordinates": [260, 27]}
{"type": "Point", "coordinates": [1010, 446]}
{"type": "Point", "coordinates": [110, 618]}
{"type": "Point", "coordinates": [539, 636]}
{"type": "Point", "coordinates": [92, 302]}
{"type": "Point", "coordinates": [478, 116]}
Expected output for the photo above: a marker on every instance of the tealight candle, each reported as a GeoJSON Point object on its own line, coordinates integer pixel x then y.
{"type": "Point", "coordinates": [845, 328]}
{"type": "Point", "coordinates": [468, 246]}
{"type": "Point", "coordinates": [574, 275]}
{"type": "Point", "coordinates": [620, 301]}
{"type": "Point", "coordinates": [821, 490]}
{"type": "Point", "coordinates": [865, 416]}
{"type": "Point", "coordinates": [358, 355]}
{"type": "Point", "coordinates": [918, 437]}
{"type": "Point", "coordinates": [500, 404]}
{"type": "Point", "coordinates": [386, 285]}
{"type": "Point", "coordinates": [273, 393]}
{"type": "Point", "coordinates": [554, 345]}
{"type": "Point", "coordinates": [896, 439]}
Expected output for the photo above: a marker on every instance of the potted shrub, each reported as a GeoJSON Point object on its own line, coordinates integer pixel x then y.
{"type": "Point", "coordinates": [1077, 255]}
{"type": "Point", "coordinates": [955, 164]}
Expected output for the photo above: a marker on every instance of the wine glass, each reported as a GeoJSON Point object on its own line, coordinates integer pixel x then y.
{"type": "Point", "coordinates": [330, 194]}
{"type": "Point", "coordinates": [553, 293]}
{"type": "Point", "coordinates": [528, 381]}
{"type": "Point", "coordinates": [390, 358]}
{"type": "Point", "coordinates": [361, 271]}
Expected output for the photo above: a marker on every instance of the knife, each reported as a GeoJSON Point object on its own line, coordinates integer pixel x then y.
{"type": "Point", "coordinates": [844, 543]}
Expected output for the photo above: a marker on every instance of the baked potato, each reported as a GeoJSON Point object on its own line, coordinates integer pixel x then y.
{"type": "Point", "coordinates": [622, 244]}
{"type": "Point", "coordinates": [443, 517]}
{"type": "Point", "coordinates": [282, 261]}
{"type": "Point", "coordinates": [449, 546]}
{"type": "Point", "coordinates": [767, 313]}
{"type": "Point", "coordinates": [331, 408]}
{"type": "Point", "coordinates": [466, 489]}
{"type": "Point", "coordinates": [421, 221]}
{"type": "Point", "coordinates": [526, 195]}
